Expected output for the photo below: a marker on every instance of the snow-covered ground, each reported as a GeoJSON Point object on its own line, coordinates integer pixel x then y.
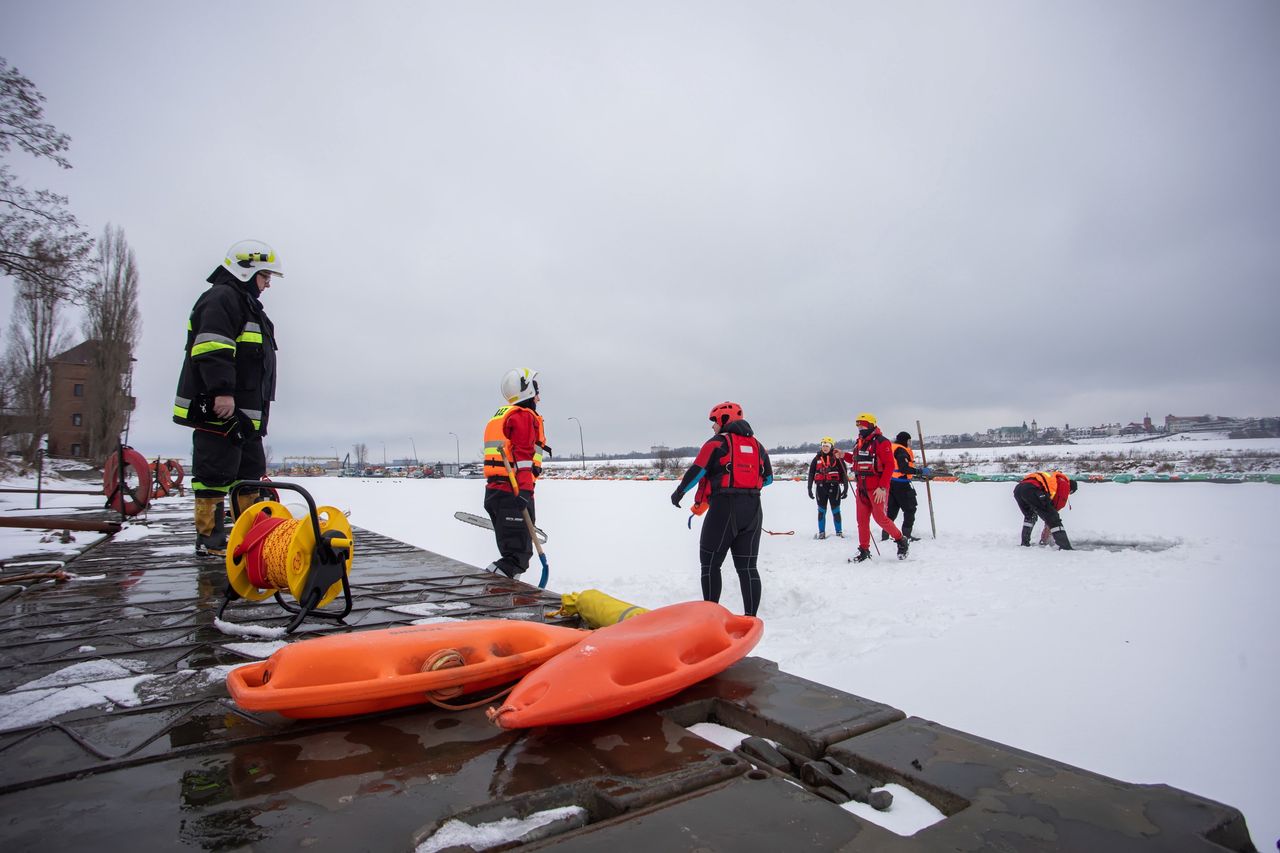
{"type": "Point", "coordinates": [1153, 664]}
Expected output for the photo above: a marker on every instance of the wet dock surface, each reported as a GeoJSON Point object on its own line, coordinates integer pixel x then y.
{"type": "Point", "coordinates": [116, 730]}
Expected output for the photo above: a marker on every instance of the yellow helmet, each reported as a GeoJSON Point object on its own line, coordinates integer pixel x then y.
{"type": "Point", "coordinates": [865, 416]}
{"type": "Point", "coordinates": [826, 439]}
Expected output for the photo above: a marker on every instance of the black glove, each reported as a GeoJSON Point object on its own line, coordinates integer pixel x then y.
{"type": "Point", "coordinates": [844, 493]}
{"type": "Point", "coordinates": [676, 496]}
{"type": "Point", "coordinates": [811, 493]}
{"type": "Point", "coordinates": [525, 497]}
{"type": "Point", "coordinates": [546, 450]}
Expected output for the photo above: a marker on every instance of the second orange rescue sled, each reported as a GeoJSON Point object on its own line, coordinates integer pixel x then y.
{"type": "Point", "coordinates": [631, 664]}
{"type": "Point", "coordinates": [367, 671]}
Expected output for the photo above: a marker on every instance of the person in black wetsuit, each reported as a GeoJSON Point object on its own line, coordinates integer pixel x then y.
{"type": "Point", "coordinates": [729, 471]}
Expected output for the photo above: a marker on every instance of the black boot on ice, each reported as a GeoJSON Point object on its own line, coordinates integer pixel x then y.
{"type": "Point", "coordinates": [863, 554]}
{"type": "Point", "coordinates": [1060, 536]}
{"type": "Point", "coordinates": [903, 545]}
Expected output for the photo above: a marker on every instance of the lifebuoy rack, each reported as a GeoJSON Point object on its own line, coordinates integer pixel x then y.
{"type": "Point", "coordinates": [268, 550]}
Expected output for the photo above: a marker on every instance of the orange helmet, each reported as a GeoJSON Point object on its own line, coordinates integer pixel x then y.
{"type": "Point", "coordinates": [725, 412]}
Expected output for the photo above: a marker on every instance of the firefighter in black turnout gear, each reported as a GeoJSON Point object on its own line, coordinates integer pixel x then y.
{"type": "Point", "coordinates": [227, 383]}
{"type": "Point", "coordinates": [829, 473]}
{"type": "Point", "coordinates": [731, 468]}
{"type": "Point", "coordinates": [902, 495]}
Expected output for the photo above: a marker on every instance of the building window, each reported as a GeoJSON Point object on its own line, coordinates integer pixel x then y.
{"type": "Point", "coordinates": [78, 390]}
{"type": "Point", "coordinates": [77, 419]}
{"type": "Point", "coordinates": [75, 450]}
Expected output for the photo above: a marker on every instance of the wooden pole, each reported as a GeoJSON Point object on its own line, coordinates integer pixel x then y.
{"type": "Point", "coordinates": [46, 522]}
{"type": "Point", "coordinates": [928, 489]}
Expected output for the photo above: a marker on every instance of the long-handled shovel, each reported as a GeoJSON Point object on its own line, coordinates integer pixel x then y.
{"type": "Point", "coordinates": [528, 522]}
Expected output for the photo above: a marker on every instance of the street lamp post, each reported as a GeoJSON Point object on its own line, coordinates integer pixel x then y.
{"type": "Point", "coordinates": [384, 457]}
{"type": "Point", "coordinates": [457, 448]}
{"type": "Point", "coordinates": [581, 447]}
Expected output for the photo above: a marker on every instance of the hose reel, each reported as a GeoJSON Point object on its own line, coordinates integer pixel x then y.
{"type": "Point", "coordinates": [270, 551]}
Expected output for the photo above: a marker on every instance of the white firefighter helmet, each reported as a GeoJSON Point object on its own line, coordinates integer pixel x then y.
{"type": "Point", "coordinates": [250, 257]}
{"type": "Point", "coordinates": [519, 384]}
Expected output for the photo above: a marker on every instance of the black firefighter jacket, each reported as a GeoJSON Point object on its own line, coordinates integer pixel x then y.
{"type": "Point", "coordinates": [231, 349]}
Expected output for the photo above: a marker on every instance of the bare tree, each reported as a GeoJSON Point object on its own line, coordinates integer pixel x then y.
{"type": "Point", "coordinates": [362, 453]}
{"type": "Point", "coordinates": [112, 320]}
{"type": "Point", "coordinates": [41, 247]}
{"type": "Point", "coordinates": [666, 460]}
{"type": "Point", "coordinates": [35, 336]}
{"type": "Point", "coordinates": [40, 240]}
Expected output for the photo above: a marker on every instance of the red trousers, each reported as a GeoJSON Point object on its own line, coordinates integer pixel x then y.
{"type": "Point", "coordinates": [868, 509]}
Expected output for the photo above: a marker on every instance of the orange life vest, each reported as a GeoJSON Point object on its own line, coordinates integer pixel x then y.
{"type": "Point", "coordinates": [498, 447]}
{"type": "Point", "coordinates": [1046, 480]}
{"type": "Point", "coordinates": [898, 474]}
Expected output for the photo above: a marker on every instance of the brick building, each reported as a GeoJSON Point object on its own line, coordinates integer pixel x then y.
{"type": "Point", "coordinates": [71, 399]}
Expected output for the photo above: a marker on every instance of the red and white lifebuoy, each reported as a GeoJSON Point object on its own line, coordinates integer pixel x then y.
{"type": "Point", "coordinates": [132, 496]}
{"type": "Point", "coordinates": [176, 473]}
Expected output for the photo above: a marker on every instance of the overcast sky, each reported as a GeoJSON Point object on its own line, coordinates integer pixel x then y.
{"type": "Point", "coordinates": [972, 214]}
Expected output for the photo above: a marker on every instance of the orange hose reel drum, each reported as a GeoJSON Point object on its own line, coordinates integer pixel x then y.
{"type": "Point", "coordinates": [269, 550]}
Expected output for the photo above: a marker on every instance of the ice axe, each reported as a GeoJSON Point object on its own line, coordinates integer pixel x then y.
{"type": "Point", "coordinates": [528, 523]}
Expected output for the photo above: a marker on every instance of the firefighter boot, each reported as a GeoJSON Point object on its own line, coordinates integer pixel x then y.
{"type": "Point", "coordinates": [863, 554]}
{"type": "Point", "coordinates": [211, 530]}
{"type": "Point", "coordinates": [244, 500]}
{"type": "Point", "coordinates": [1026, 533]}
{"type": "Point", "coordinates": [1060, 536]}
{"type": "Point", "coordinates": [903, 544]}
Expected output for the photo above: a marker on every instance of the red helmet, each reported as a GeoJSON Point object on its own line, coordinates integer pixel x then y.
{"type": "Point", "coordinates": [725, 412]}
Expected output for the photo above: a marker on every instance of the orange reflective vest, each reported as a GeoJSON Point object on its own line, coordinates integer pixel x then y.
{"type": "Point", "coordinates": [911, 462]}
{"type": "Point", "coordinates": [1047, 481]}
{"type": "Point", "coordinates": [498, 446]}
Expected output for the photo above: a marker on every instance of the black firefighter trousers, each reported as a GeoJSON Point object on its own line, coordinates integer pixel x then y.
{"type": "Point", "coordinates": [902, 495]}
{"type": "Point", "coordinates": [218, 463]}
{"type": "Point", "coordinates": [510, 531]}
{"type": "Point", "coordinates": [1034, 501]}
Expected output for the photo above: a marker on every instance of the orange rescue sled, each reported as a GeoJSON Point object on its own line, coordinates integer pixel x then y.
{"type": "Point", "coordinates": [369, 671]}
{"type": "Point", "coordinates": [634, 663]}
